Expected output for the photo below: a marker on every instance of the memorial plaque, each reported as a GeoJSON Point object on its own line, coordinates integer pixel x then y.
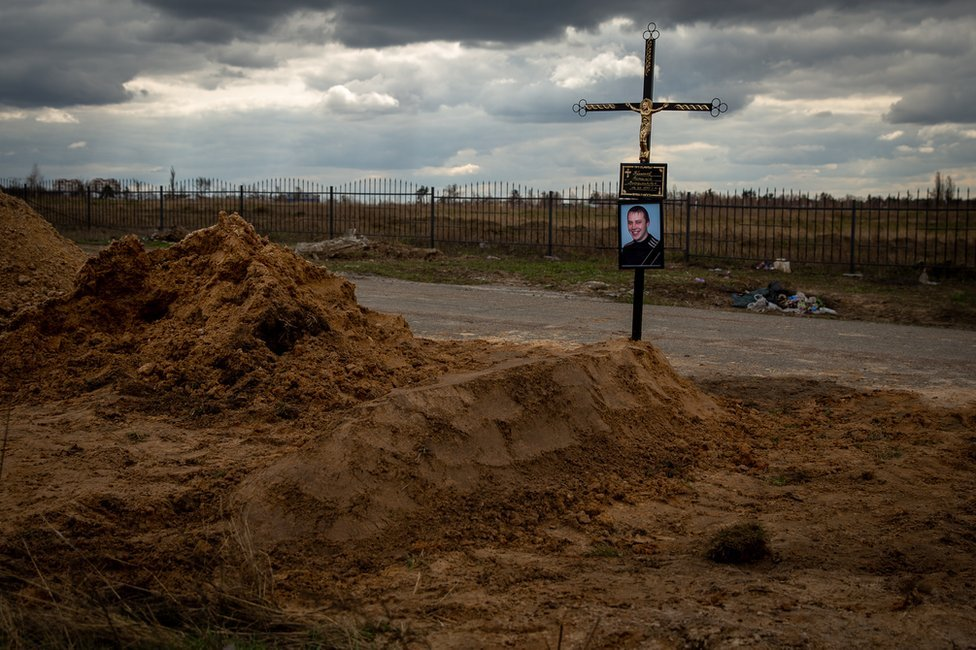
{"type": "Point", "coordinates": [643, 180]}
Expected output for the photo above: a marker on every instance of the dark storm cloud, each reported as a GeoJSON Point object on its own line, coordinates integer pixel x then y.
{"type": "Point", "coordinates": [933, 104]}
{"type": "Point", "coordinates": [64, 54]}
{"type": "Point", "coordinates": [76, 53]}
{"type": "Point", "coordinates": [394, 22]}
{"type": "Point", "coordinates": [30, 84]}
{"type": "Point", "coordinates": [279, 88]}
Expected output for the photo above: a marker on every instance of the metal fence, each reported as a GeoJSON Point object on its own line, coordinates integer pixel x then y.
{"type": "Point", "coordinates": [891, 232]}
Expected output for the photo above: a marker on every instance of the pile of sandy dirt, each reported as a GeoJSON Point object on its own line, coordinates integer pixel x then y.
{"type": "Point", "coordinates": [223, 320]}
{"type": "Point", "coordinates": [409, 437]}
{"type": "Point", "coordinates": [36, 262]}
{"type": "Point", "coordinates": [487, 455]}
{"type": "Point", "coordinates": [217, 437]}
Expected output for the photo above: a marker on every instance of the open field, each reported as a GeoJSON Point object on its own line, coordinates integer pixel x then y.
{"type": "Point", "coordinates": [840, 234]}
{"type": "Point", "coordinates": [213, 444]}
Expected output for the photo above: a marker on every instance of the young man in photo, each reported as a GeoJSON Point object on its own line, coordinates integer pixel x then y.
{"type": "Point", "coordinates": [644, 249]}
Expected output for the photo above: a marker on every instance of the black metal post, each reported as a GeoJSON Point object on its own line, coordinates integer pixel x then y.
{"type": "Point", "coordinates": [853, 222]}
{"type": "Point", "coordinates": [161, 208]}
{"type": "Point", "coordinates": [88, 206]}
{"type": "Point", "coordinates": [331, 211]}
{"type": "Point", "coordinates": [240, 201]}
{"type": "Point", "coordinates": [433, 218]}
{"type": "Point", "coordinates": [687, 227]}
{"type": "Point", "coordinates": [635, 334]}
{"type": "Point", "coordinates": [549, 247]}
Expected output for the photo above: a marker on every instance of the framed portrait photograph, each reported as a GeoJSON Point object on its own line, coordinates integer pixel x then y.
{"type": "Point", "coordinates": [641, 235]}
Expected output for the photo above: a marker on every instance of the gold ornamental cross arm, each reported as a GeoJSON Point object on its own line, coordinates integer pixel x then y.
{"type": "Point", "coordinates": [647, 106]}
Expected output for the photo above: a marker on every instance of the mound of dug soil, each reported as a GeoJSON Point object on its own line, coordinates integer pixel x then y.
{"type": "Point", "coordinates": [224, 320]}
{"type": "Point", "coordinates": [365, 488]}
{"type": "Point", "coordinates": [36, 262]}
{"type": "Point", "coordinates": [515, 438]}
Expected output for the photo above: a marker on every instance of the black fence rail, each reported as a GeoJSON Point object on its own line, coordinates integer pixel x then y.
{"type": "Point", "coordinates": [852, 234]}
{"type": "Point", "coordinates": [876, 232]}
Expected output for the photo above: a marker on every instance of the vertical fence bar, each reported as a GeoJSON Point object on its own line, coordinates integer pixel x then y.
{"type": "Point", "coordinates": [162, 204]}
{"type": "Point", "coordinates": [549, 247]}
{"type": "Point", "coordinates": [433, 219]}
{"type": "Point", "coordinates": [853, 232]}
{"type": "Point", "coordinates": [88, 206]}
{"type": "Point", "coordinates": [915, 223]}
{"type": "Point", "coordinates": [966, 247]}
{"type": "Point", "coordinates": [925, 233]}
{"type": "Point", "coordinates": [331, 214]}
{"type": "Point", "coordinates": [687, 227]}
{"type": "Point", "coordinates": [955, 238]}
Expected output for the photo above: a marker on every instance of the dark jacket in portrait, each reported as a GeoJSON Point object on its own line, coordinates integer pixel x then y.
{"type": "Point", "coordinates": [647, 253]}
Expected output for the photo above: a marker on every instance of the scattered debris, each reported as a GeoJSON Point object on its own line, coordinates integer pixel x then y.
{"type": "Point", "coordinates": [595, 285]}
{"type": "Point", "coordinates": [779, 264]}
{"type": "Point", "coordinates": [775, 298]}
{"type": "Point", "coordinates": [352, 246]}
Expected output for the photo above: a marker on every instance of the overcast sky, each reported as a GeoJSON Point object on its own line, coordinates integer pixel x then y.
{"type": "Point", "coordinates": [851, 97]}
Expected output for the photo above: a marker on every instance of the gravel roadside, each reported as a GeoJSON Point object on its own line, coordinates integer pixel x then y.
{"type": "Point", "coordinates": [703, 344]}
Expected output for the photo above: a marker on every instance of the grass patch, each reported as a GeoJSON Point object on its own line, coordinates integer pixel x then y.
{"type": "Point", "coordinates": [603, 549]}
{"type": "Point", "coordinates": [490, 269]}
{"type": "Point", "coordinates": [743, 543]}
{"type": "Point", "coordinates": [90, 608]}
{"type": "Point", "coordinates": [962, 298]}
{"type": "Point", "coordinates": [790, 476]}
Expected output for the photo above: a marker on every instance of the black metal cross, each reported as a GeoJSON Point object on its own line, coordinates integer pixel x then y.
{"type": "Point", "coordinates": [647, 106]}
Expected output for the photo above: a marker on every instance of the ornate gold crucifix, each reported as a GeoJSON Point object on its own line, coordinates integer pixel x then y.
{"type": "Point", "coordinates": [647, 106]}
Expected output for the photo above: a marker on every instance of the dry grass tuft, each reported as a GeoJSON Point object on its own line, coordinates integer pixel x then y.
{"type": "Point", "coordinates": [88, 608]}
{"type": "Point", "coordinates": [743, 543]}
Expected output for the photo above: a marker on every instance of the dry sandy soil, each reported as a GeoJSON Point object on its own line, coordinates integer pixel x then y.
{"type": "Point", "coordinates": [215, 442]}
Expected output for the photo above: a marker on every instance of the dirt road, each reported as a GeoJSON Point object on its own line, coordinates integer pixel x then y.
{"type": "Point", "coordinates": [938, 363]}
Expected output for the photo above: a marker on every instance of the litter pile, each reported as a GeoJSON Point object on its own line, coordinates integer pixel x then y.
{"type": "Point", "coordinates": [775, 298]}
{"type": "Point", "coordinates": [36, 262]}
{"type": "Point", "coordinates": [224, 320]}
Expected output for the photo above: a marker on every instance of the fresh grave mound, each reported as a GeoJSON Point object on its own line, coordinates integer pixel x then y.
{"type": "Point", "coordinates": [223, 320]}
{"type": "Point", "coordinates": [36, 262]}
{"type": "Point", "coordinates": [475, 454]}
